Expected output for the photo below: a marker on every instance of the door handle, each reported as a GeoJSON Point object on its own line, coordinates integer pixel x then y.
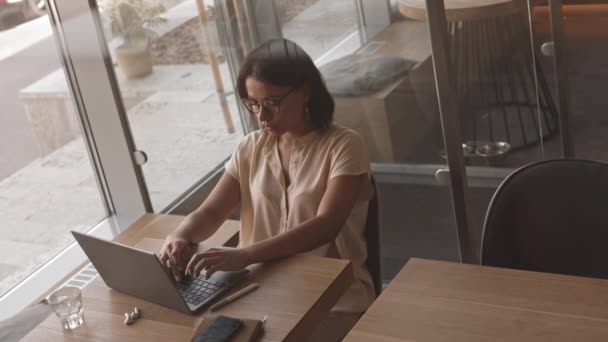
{"type": "Point", "coordinates": [547, 49]}
{"type": "Point", "coordinates": [140, 157]}
{"type": "Point", "coordinates": [443, 177]}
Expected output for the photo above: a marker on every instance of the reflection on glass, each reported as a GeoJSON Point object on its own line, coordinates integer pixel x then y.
{"type": "Point", "coordinates": [176, 87]}
{"type": "Point", "coordinates": [508, 115]}
{"type": "Point", "coordinates": [326, 30]}
{"type": "Point", "coordinates": [383, 87]}
{"type": "Point", "coordinates": [582, 36]}
{"type": "Point", "coordinates": [47, 184]}
{"type": "Point", "coordinates": [380, 91]}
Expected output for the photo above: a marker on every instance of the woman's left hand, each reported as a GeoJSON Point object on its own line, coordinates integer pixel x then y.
{"type": "Point", "coordinates": [219, 259]}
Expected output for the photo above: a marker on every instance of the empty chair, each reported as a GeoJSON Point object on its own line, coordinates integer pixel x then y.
{"type": "Point", "coordinates": [550, 216]}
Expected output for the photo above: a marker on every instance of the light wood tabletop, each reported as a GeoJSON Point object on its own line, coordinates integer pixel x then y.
{"type": "Point", "coordinates": [441, 301]}
{"type": "Point", "coordinates": [461, 10]}
{"type": "Point", "coordinates": [295, 293]}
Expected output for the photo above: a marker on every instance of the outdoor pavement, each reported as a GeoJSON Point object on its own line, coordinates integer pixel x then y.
{"type": "Point", "coordinates": [175, 118]}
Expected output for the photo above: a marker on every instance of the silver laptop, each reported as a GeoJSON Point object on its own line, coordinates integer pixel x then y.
{"type": "Point", "coordinates": [140, 274]}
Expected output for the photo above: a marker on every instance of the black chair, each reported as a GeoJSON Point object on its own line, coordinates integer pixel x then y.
{"type": "Point", "coordinates": [550, 216]}
{"type": "Point", "coordinates": [372, 236]}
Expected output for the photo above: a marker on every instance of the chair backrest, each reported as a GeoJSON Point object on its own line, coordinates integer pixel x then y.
{"type": "Point", "coordinates": [372, 237]}
{"type": "Point", "coordinates": [550, 216]}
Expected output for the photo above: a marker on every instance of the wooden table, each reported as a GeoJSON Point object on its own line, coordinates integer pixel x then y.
{"type": "Point", "coordinates": [440, 301]}
{"type": "Point", "coordinates": [295, 293]}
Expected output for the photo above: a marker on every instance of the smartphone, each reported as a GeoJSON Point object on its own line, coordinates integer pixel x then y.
{"type": "Point", "coordinates": [220, 330]}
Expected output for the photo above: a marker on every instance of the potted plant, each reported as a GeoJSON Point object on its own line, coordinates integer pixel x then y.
{"type": "Point", "coordinates": [132, 21]}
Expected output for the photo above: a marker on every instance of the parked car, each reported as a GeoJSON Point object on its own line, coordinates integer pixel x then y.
{"type": "Point", "coordinates": [14, 10]}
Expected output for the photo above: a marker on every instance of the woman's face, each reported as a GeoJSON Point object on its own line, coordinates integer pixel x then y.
{"type": "Point", "coordinates": [279, 109]}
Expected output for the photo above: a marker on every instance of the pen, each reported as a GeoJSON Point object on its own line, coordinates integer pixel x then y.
{"type": "Point", "coordinates": [234, 296]}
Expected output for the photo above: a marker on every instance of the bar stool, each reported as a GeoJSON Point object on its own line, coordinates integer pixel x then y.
{"type": "Point", "coordinates": [496, 77]}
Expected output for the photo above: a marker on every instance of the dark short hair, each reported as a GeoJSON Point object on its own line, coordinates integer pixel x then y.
{"type": "Point", "coordinates": [282, 62]}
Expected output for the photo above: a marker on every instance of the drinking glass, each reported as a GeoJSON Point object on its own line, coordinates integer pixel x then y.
{"type": "Point", "coordinates": [66, 303]}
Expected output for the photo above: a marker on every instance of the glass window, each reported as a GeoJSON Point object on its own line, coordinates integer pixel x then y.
{"type": "Point", "coordinates": [176, 88]}
{"type": "Point", "coordinates": [47, 183]}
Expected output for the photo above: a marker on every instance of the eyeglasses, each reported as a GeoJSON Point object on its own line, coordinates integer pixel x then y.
{"type": "Point", "coordinates": [272, 104]}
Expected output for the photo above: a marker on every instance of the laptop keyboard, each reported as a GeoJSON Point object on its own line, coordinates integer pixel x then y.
{"type": "Point", "coordinates": [197, 290]}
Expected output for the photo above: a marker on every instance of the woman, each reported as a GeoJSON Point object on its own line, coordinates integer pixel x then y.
{"type": "Point", "coordinates": [302, 182]}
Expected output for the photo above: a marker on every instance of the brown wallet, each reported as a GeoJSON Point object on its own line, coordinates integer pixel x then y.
{"type": "Point", "coordinates": [250, 331]}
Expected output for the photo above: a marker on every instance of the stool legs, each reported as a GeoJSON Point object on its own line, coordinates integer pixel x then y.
{"type": "Point", "coordinates": [503, 94]}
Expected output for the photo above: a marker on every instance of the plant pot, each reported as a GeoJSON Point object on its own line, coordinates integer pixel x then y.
{"type": "Point", "coordinates": [134, 61]}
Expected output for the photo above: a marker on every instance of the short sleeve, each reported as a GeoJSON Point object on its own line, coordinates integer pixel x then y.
{"type": "Point", "coordinates": [349, 156]}
{"type": "Point", "coordinates": [232, 166]}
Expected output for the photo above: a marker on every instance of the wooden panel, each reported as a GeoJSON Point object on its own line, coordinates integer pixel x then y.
{"type": "Point", "coordinates": [439, 301]}
{"type": "Point", "coordinates": [295, 293]}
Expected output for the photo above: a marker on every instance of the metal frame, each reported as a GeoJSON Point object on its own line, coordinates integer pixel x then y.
{"type": "Point", "coordinates": [360, 20]}
{"type": "Point", "coordinates": [85, 125]}
{"type": "Point", "coordinates": [452, 133]}
{"type": "Point", "coordinates": [425, 174]}
{"type": "Point", "coordinates": [234, 51]}
{"type": "Point", "coordinates": [562, 84]}
{"type": "Point", "coordinates": [93, 83]}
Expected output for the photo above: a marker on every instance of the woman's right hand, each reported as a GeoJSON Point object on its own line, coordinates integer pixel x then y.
{"type": "Point", "coordinates": [175, 254]}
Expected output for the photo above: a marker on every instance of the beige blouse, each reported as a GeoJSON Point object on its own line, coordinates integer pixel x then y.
{"type": "Point", "coordinates": [268, 208]}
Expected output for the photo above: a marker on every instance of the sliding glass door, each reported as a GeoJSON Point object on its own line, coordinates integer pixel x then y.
{"type": "Point", "coordinates": [507, 113]}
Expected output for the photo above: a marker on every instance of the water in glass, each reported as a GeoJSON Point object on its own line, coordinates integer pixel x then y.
{"type": "Point", "coordinates": [67, 305]}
